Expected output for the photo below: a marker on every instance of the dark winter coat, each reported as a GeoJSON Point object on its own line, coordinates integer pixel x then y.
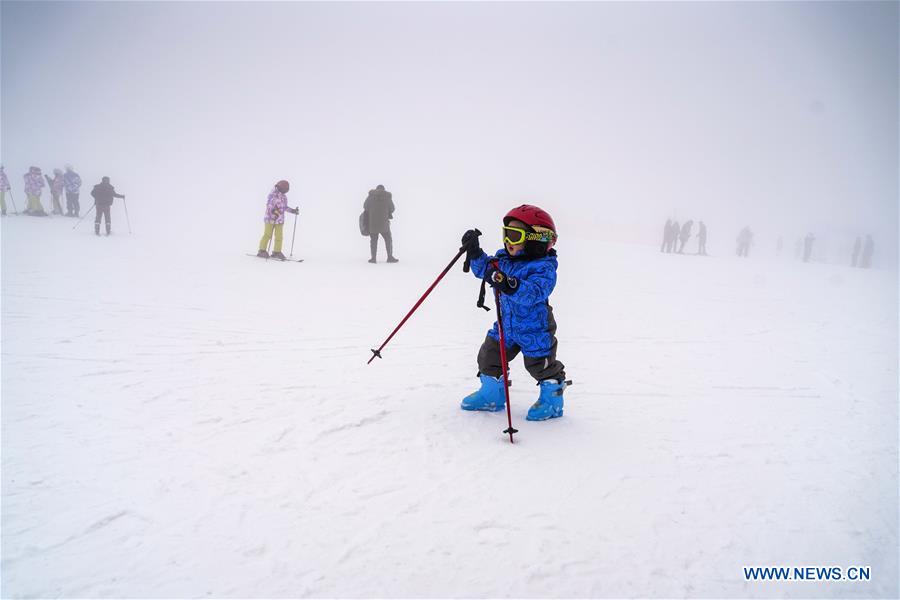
{"type": "Point", "coordinates": [104, 193]}
{"type": "Point", "coordinates": [379, 208]}
{"type": "Point", "coordinates": [527, 314]}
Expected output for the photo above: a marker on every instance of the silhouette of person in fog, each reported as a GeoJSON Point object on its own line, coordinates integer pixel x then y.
{"type": "Point", "coordinates": [701, 240]}
{"type": "Point", "coordinates": [667, 235]}
{"type": "Point", "coordinates": [744, 239]}
{"type": "Point", "coordinates": [685, 234]}
{"type": "Point", "coordinates": [103, 194]}
{"type": "Point", "coordinates": [868, 251]}
{"type": "Point", "coordinates": [379, 210]}
{"type": "Point", "coordinates": [807, 246]}
{"type": "Point", "coordinates": [857, 246]}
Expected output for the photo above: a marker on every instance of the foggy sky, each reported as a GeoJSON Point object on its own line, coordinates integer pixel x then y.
{"type": "Point", "coordinates": [781, 116]}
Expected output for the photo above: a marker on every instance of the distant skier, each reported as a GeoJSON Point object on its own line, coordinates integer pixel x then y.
{"type": "Point", "coordinates": [857, 246]}
{"type": "Point", "coordinates": [73, 188]}
{"type": "Point", "coordinates": [744, 239]}
{"type": "Point", "coordinates": [685, 234]}
{"type": "Point", "coordinates": [56, 189]}
{"type": "Point", "coordinates": [103, 194]}
{"type": "Point", "coordinates": [701, 240]}
{"type": "Point", "coordinates": [276, 206]}
{"type": "Point", "coordinates": [808, 246]}
{"type": "Point", "coordinates": [34, 184]}
{"type": "Point", "coordinates": [667, 235]}
{"type": "Point", "coordinates": [4, 187]}
{"type": "Point", "coordinates": [379, 210]}
{"type": "Point", "coordinates": [868, 251]}
{"type": "Point", "coordinates": [525, 275]}
{"type": "Point", "coordinates": [673, 237]}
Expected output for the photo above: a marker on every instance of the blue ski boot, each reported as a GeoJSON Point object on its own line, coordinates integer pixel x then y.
{"type": "Point", "coordinates": [490, 397]}
{"type": "Point", "coordinates": [549, 404]}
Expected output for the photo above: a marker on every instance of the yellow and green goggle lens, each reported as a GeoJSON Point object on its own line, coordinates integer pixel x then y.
{"type": "Point", "coordinates": [516, 235]}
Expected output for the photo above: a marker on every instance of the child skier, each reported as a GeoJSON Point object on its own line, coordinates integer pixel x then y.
{"type": "Point", "coordinates": [524, 272]}
{"type": "Point", "coordinates": [276, 205]}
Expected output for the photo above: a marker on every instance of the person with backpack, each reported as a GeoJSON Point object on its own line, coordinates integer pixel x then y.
{"type": "Point", "coordinates": [379, 210]}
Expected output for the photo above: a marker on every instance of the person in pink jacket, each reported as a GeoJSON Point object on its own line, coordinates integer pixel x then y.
{"type": "Point", "coordinates": [57, 185]}
{"type": "Point", "coordinates": [276, 206]}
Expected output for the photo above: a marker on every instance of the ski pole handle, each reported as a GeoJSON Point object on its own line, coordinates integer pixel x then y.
{"type": "Point", "coordinates": [467, 264]}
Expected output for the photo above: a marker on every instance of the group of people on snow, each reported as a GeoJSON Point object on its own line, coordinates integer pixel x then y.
{"type": "Point", "coordinates": [523, 273]}
{"type": "Point", "coordinates": [375, 221]}
{"type": "Point", "coordinates": [66, 182]}
{"type": "Point", "coordinates": [867, 248]}
{"type": "Point", "coordinates": [675, 237]}
{"type": "Point", "coordinates": [861, 256]}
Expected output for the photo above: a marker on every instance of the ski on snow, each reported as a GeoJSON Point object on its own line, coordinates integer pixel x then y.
{"type": "Point", "coordinates": [277, 259]}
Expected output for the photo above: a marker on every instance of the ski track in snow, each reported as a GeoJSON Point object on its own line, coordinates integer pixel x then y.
{"type": "Point", "coordinates": [205, 430]}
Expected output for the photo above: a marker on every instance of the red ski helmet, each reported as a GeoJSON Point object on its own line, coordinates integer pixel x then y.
{"type": "Point", "coordinates": [538, 220]}
{"type": "Point", "coordinates": [283, 186]}
{"type": "Point", "coordinates": [532, 216]}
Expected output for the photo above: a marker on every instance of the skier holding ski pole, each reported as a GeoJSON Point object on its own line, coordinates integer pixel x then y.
{"type": "Point", "coordinates": [276, 206]}
{"type": "Point", "coordinates": [523, 275]}
{"type": "Point", "coordinates": [294, 234]}
{"type": "Point", "coordinates": [420, 301]}
{"type": "Point", "coordinates": [103, 194]}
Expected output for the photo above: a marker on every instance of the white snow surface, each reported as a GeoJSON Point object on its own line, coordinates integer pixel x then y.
{"type": "Point", "coordinates": [180, 421]}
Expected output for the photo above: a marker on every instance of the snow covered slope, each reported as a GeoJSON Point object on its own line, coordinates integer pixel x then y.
{"type": "Point", "coordinates": [180, 421]}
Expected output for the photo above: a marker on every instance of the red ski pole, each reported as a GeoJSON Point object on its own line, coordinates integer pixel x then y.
{"type": "Point", "coordinates": [504, 364]}
{"type": "Point", "coordinates": [422, 299]}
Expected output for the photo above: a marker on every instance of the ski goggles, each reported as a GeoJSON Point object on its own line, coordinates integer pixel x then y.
{"type": "Point", "coordinates": [516, 235]}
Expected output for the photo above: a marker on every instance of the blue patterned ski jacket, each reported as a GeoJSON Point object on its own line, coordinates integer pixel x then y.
{"type": "Point", "coordinates": [526, 312]}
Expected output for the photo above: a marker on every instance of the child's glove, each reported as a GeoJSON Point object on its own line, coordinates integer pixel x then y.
{"type": "Point", "coordinates": [470, 244]}
{"type": "Point", "coordinates": [295, 211]}
{"type": "Point", "coordinates": [500, 280]}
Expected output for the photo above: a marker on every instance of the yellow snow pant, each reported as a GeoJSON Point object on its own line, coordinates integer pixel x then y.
{"type": "Point", "coordinates": [34, 203]}
{"type": "Point", "coordinates": [3, 201]}
{"type": "Point", "coordinates": [267, 235]}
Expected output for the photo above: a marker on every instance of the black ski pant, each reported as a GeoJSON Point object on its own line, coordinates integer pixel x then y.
{"type": "Point", "coordinates": [72, 206]}
{"type": "Point", "coordinates": [388, 243]}
{"type": "Point", "coordinates": [102, 211]}
{"type": "Point", "coordinates": [541, 368]}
